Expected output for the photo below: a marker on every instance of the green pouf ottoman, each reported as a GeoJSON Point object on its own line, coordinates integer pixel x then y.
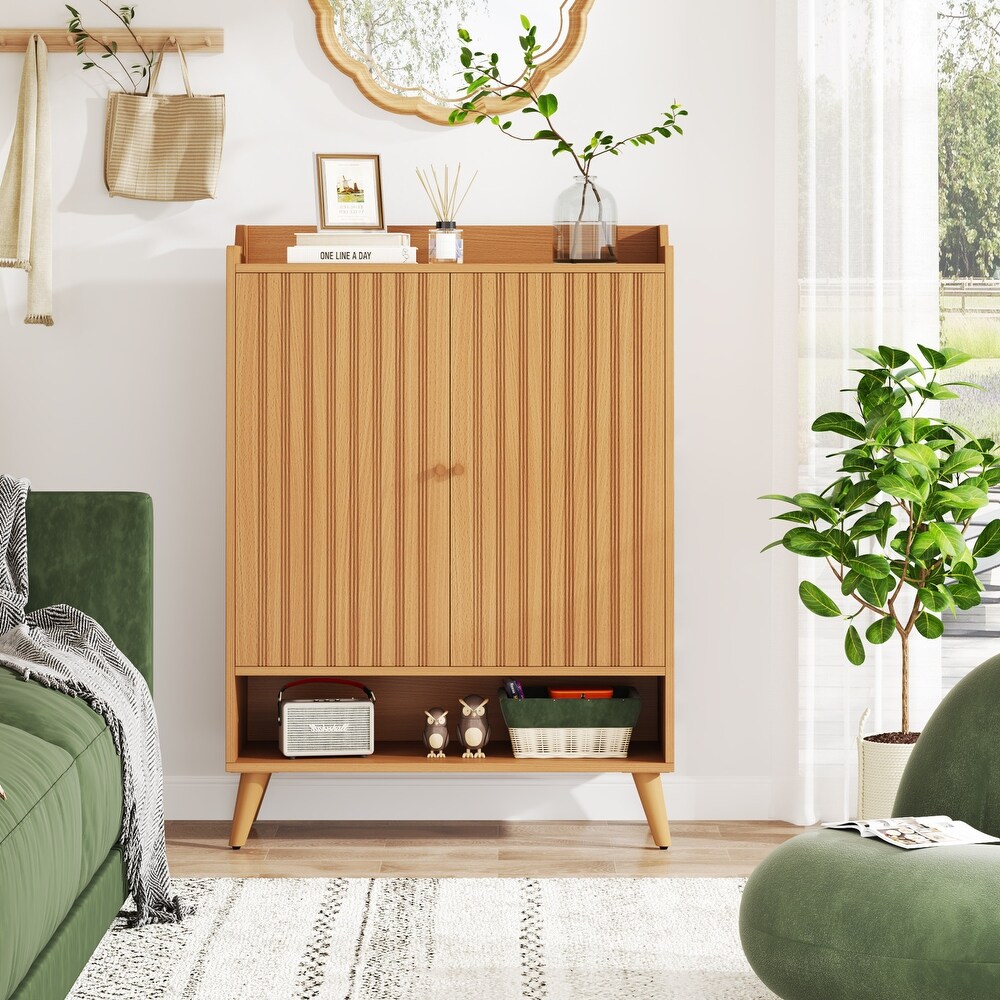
{"type": "Point", "coordinates": [829, 916]}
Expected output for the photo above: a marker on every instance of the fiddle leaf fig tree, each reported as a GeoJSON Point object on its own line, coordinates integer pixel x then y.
{"type": "Point", "coordinates": [895, 527]}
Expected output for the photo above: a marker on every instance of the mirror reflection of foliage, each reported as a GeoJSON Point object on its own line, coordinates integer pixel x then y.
{"type": "Point", "coordinates": [404, 43]}
{"type": "Point", "coordinates": [969, 137]}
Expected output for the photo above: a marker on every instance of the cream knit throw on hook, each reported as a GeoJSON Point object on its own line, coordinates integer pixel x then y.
{"type": "Point", "coordinates": [26, 189]}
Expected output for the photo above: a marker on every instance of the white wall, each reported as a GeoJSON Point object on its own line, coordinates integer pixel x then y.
{"type": "Point", "coordinates": [127, 390]}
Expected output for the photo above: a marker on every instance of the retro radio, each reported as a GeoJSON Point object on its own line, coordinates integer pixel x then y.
{"type": "Point", "coordinates": [326, 727]}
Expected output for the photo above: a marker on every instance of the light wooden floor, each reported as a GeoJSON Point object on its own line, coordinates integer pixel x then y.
{"type": "Point", "coordinates": [367, 849]}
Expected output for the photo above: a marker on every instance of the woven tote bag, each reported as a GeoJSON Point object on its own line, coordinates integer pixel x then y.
{"type": "Point", "coordinates": [164, 147]}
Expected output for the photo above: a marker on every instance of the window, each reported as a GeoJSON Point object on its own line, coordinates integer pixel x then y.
{"type": "Point", "coordinates": [969, 197]}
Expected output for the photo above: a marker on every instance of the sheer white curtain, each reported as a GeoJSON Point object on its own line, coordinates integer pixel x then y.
{"type": "Point", "coordinates": [867, 266]}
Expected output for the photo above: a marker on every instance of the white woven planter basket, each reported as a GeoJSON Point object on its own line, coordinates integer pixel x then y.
{"type": "Point", "coordinates": [570, 742]}
{"type": "Point", "coordinates": [880, 768]}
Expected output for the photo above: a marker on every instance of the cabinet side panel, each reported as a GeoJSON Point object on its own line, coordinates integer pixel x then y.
{"type": "Point", "coordinates": [668, 392]}
{"type": "Point", "coordinates": [247, 470]}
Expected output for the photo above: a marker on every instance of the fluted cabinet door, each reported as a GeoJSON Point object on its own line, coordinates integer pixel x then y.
{"type": "Point", "coordinates": [341, 446]}
{"type": "Point", "coordinates": [559, 520]}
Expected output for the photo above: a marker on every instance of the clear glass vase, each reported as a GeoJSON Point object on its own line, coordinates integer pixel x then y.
{"type": "Point", "coordinates": [586, 226]}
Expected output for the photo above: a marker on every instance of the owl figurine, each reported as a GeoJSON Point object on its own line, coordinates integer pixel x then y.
{"type": "Point", "coordinates": [473, 727]}
{"type": "Point", "coordinates": [436, 732]}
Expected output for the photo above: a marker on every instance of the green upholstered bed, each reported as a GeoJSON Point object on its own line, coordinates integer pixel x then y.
{"type": "Point", "coordinates": [61, 875]}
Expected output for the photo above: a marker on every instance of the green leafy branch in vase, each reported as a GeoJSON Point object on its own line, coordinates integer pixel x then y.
{"type": "Point", "coordinates": [134, 75]}
{"type": "Point", "coordinates": [484, 79]}
{"type": "Point", "coordinates": [895, 526]}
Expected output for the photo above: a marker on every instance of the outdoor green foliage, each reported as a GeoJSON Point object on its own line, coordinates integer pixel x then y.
{"type": "Point", "coordinates": [483, 79]}
{"type": "Point", "coordinates": [134, 74]}
{"type": "Point", "coordinates": [969, 170]}
{"type": "Point", "coordinates": [969, 34]}
{"type": "Point", "coordinates": [894, 526]}
{"type": "Point", "coordinates": [969, 138]}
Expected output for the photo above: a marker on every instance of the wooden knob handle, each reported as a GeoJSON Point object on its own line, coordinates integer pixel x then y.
{"type": "Point", "coordinates": [441, 471]}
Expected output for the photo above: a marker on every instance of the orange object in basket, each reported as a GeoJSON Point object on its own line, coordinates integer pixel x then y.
{"type": "Point", "coordinates": [581, 693]}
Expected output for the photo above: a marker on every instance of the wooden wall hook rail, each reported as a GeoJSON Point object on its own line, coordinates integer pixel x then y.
{"type": "Point", "coordinates": [209, 40]}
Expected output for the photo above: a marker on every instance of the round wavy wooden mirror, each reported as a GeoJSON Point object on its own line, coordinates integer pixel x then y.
{"type": "Point", "coordinates": [404, 54]}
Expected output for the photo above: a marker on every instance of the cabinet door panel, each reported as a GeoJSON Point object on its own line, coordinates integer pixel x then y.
{"type": "Point", "coordinates": [559, 537]}
{"type": "Point", "coordinates": [341, 412]}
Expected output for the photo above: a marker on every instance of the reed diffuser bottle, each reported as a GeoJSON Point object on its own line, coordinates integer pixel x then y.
{"type": "Point", "coordinates": [445, 244]}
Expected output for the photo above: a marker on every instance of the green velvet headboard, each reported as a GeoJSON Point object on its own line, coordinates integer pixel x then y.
{"type": "Point", "coordinates": [94, 551]}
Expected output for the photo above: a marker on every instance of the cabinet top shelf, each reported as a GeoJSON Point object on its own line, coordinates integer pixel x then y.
{"type": "Point", "coordinates": [502, 247]}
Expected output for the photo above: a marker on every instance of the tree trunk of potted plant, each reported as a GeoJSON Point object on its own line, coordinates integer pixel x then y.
{"type": "Point", "coordinates": [882, 757]}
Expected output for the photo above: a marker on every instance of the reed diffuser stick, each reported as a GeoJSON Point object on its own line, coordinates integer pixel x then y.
{"type": "Point", "coordinates": [467, 190]}
{"type": "Point", "coordinates": [454, 194]}
{"type": "Point", "coordinates": [444, 198]}
{"type": "Point", "coordinates": [430, 196]}
{"type": "Point", "coordinates": [437, 185]}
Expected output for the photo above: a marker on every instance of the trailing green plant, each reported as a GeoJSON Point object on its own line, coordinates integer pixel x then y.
{"type": "Point", "coordinates": [135, 74]}
{"type": "Point", "coordinates": [484, 79]}
{"type": "Point", "coordinates": [895, 525]}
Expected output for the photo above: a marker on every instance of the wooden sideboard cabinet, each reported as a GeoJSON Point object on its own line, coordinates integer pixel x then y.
{"type": "Point", "coordinates": [441, 475]}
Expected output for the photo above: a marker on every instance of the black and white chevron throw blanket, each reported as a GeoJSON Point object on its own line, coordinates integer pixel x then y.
{"type": "Point", "coordinates": [64, 649]}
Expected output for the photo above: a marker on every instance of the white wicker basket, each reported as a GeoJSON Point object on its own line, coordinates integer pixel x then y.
{"type": "Point", "coordinates": [570, 742]}
{"type": "Point", "coordinates": [880, 768]}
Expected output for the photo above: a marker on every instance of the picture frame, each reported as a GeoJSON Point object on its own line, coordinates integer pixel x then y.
{"type": "Point", "coordinates": [349, 191]}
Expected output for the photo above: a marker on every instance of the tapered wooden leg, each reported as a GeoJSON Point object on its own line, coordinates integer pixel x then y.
{"type": "Point", "coordinates": [650, 790]}
{"type": "Point", "coordinates": [248, 800]}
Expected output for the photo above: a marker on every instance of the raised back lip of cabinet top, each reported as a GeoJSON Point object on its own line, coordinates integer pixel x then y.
{"type": "Point", "coordinates": [505, 248]}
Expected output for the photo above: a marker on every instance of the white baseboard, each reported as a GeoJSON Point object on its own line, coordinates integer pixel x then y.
{"type": "Point", "coordinates": [489, 797]}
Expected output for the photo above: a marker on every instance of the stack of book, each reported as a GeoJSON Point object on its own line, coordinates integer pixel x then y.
{"type": "Point", "coordinates": [358, 247]}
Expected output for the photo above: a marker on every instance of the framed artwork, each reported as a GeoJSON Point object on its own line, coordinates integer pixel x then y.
{"type": "Point", "coordinates": [350, 191]}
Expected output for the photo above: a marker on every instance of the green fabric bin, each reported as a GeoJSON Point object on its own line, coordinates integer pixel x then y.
{"type": "Point", "coordinates": [570, 727]}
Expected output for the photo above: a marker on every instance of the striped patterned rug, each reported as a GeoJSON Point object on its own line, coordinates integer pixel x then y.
{"type": "Point", "coordinates": [460, 939]}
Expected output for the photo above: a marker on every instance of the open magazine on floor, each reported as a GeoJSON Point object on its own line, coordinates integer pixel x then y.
{"type": "Point", "coordinates": [912, 832]}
